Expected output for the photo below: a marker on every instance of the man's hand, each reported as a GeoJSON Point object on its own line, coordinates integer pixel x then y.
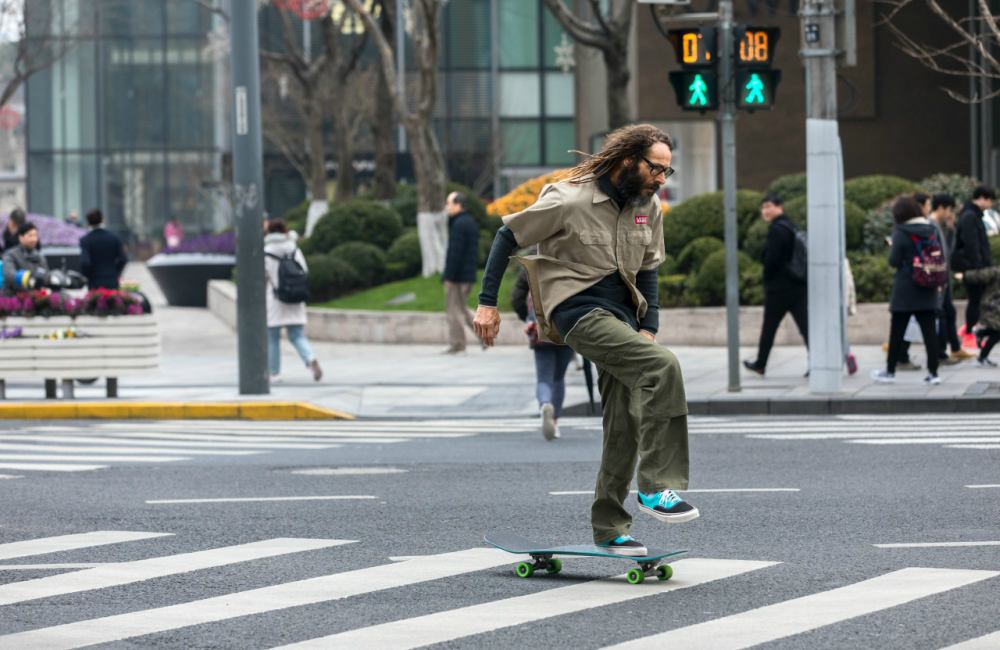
{"type": "Point", "coordinates": [487, 324]}
{"type": "Point", "coordinates": [959, 276]}
{"type": "Point", "coordinates": [648, 335]}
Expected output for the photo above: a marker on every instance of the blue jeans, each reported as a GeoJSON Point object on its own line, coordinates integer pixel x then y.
{"type": "Point", "coordinates": [551, 362]}
{"type": "Point", "coordinates": [298, 338]}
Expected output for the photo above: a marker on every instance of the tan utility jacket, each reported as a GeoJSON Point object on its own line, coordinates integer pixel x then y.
{"type": "Point", "coordinates": [582, 238]}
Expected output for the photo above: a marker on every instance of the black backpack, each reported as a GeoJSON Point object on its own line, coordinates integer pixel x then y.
{"type": "Point", "coordinates": [293, 281]}
{"type": "Point", "coordinates": [798, 263]}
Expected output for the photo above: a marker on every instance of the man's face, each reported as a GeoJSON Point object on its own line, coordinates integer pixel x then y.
{"type": "Point", "coordinates": [946, 215]}
{"type": "Point", "coordinates": [983, 202]}
{"type": "Point", "coordinates": [450, 206]}
{"type": "Point", "coordinates": [641, 178]}
{"type": "Point", "coordinates": [769, 211]}
{"type": "Point", "coordinates": [29, 240]}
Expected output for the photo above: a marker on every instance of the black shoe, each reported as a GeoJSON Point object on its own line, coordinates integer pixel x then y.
{"type": "Point", "coordinates": [624, 545]}
{"type": "Point", "coordinates": [753, 367]}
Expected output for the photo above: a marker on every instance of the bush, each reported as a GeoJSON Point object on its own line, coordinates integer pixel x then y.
{"type": "Point", "coordinates": [356, 220]}
{"type": "Point", "coordinates": [854, 220]}
{"type": "Point", "coordinates": [789, 186]}
{"type": "Point", "coordinates": [330, 278]}
{"type": "Point", "coordinates": [671, 290]}
{"type": "Point", "coordinates": [367, 260]}
{"type": "Point", "coordinates": [667, 267]}
{"type": "Point", "coordinates": [957, 185]}
{"type": "Point", "coordinates": [877, 226]}
{"type": "Point", "coordinates": [701, 216]}
{"type": "Point", "coordinates": [692, 256]}
{"type": "Point", "coordinates": [709, 284]}
{"type": "Point", "coordinates": [872, 277]}
{"type": "Point", "coordinates": [522, 196]}
{"type": "Point", "coordinates": [476, 208]}
{"type": "Point", "coordinates": [869, 192]}
{"type": "Point", "coordinates": [995, 249]}
{"type": "Point", "coordinates": [404, 258]}
{"type": "Point", "coordinates": [756, 239]}
{"type": "Point", "coordinates": [295, 217]}
{"type": "Point", "coordinates": [405, 204]}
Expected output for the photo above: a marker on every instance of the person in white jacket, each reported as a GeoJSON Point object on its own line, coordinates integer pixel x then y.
{"type": "Point", "coordinates": [280, 243]}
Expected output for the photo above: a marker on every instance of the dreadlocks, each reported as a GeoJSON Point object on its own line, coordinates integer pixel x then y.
{"type": "Point", "coordinates": [626, 142]}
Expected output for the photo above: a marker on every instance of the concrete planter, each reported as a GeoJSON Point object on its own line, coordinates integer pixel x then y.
{"type": "Point", "coordinates": [183, 278]}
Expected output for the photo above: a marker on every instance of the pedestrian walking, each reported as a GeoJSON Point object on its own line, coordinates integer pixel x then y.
{"type": "Point", "coordinates": [102, 255]}
{"type": "Point", "coordinates": [26, 257]}
{"type": "Point", "coordinates": [972, 248]}
{"type": "Point", "coordinates": [285, 268]}
{"type": "Point", "coordinates": [785, 290]}
{"type": "Point", "coordinates": [599, 234]}
{"type": "Point", "coordinates": [914, 242]}
{"type": "Point", "coordinates": [15, 220]}
{"type": "Point", "coordinates": [989, 280]}
{"type": "Point", "coordinates": [943, 216]}
{"type": "Point", "coordinates": [459, 269]}
{"type": "Point", "coordinates": [551, 360]}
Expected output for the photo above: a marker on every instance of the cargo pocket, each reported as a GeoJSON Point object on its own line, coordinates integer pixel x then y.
{"type": "Point", "coordinates": [639, 237]}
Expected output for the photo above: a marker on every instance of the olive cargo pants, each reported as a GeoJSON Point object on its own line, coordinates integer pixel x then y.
{"type": "Point", "coordinates": [645, 417]}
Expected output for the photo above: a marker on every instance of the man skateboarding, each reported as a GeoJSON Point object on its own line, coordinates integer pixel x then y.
{"type": "Point", "coordinates": [599, 234]}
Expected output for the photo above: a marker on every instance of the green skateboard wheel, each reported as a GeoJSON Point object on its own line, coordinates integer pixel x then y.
{"type": "Point", "coordinates": [664, 572]}
{"type": "Point", "coordinates": [635, 576]}
{"type": "Point", "coordinates": [554, 566]}
{"type": "Point", "coordinates": [524, 570]}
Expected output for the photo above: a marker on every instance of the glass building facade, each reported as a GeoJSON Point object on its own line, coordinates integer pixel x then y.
{"type": "Point", "coordinates": [132, 119]}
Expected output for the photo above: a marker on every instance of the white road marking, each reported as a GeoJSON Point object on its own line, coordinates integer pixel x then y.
{"type": "Point", "coordinates": [49, 567]}
{"type": "Point", "coordinates": [69, 458]}
{"type": "Point", "coordinates": [7, 477]}
{"type": "Point", "coordinates": [51, 467]}
{"type": "Point", "coordinates": [252, 499]}
{"type": "Point", "coordinates": [62, 543]}
{"type": "Point", "coordinates": [486, 617]}
{"type": "Point", "coordinates": [982, 487]}
{"type": "Point", "coordinates": [250, 442]}
{"type": "Point", "coordinates": [123, 573]}
{"type": "Point", "coordinates": [702, 491]}
{"type": "Point", "coordinates": [110, 449]}
{"type": "Point", "coordinates": [348, 471]}
{"type": "Point", "coordinates": [868, 433]}
{"type": "Point", "coordinates": [973, 446]}
{"type": "Point", "coordinates": [921, 441]}
{"type": "Point", "coordinates": [937, 544]}
{"type": "Point", "coordinates": [988, 642]}
{"type": "Point", "coordinates": [256, 601]}
{"type": "Point", "coordinates": [799, 615]}
{"type": "Point", "coordinates": [253, 444]}
{"type": "Point", "coordinates": [306, 434]}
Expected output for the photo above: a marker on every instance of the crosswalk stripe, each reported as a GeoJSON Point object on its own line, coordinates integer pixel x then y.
{"type": "Point", "coordinates": [245, 442]}
{"type": "Point", "coordinates": [563, 493]}
{"type": "Point", "coordinates": [973, 446]}
{"type": "Point", "coordinates": [95, 459]}
{"type": "Point", "coordinates": [283, 432]}
{"type": "Point", "coordinates": [255, 601]}
{"type": "Point", "coordinates": [44, 545]}
{"type": "Point", "coordinates": [8, 477]}
{"type": "Point", "coordinates": [486, 617]}
{"type": "Point", "coordinates": [108, 449]}
{"type": "Point", "coordinates": [988, 642]}
{"type": "Point", "coordinates": [51, 467]}
{"type": "Point", "coordinates": [249, 444]}
{"type": "Point", "coordinates": [807, 613]}
{"type": "Point", "coordinates": [342, 497]}
{"type": "Point", "coordinates": [921, 441]}
{"type": "Point", "coordinates": [867, 433]}
{"type": "Point", "coordinates": [48, 567]}
{"type": "Point", "coordinates": [937, 544]}
{"type": "Point", "coordinates": [123, 573]}
{"type": "Point", "coordinates": [983, 487]}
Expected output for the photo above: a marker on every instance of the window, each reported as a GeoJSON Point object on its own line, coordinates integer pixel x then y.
{"type": "Point", "coordinates": [560, 95]}
{"type": "Point", "coordinates": [520, 94]}
{"type": "Point", "coordinates": [519, 142]}
{"type": "Point", "coordinates": [519, 33]}
{"type": "Point", "coordinates": [559, 139]}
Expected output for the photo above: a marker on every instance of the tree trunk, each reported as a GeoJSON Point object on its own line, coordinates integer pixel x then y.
{"type": "Point", "coordinates": [428, 165]}
{"type": "Point", "coordinates": [619, 106]}
{"type": "Point", "coordinates": [317, 156]}
{"type": "Point", "coordinates": [383, 132]}
{"type": "Point", "coordinates": [345, 153]}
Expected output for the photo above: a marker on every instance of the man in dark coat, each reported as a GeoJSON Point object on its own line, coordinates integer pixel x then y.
{"type": "Point", "coordinates": [783, 292]}
{"type": "Point", "coordinates": [972, 248]}
{"type": "Point", "coordinates": [459, 269]}
{"type": "Point", "coordinates": [102, 256]}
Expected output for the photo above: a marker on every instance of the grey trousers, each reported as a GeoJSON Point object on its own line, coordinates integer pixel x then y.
{"type": "Point", "coordinates": [456, 298]}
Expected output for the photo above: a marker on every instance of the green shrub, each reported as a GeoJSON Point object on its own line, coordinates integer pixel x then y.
{"type": "Point", "coordinates": [405, 204]}
{"type": "Point", "coordinates": [869, 192]}
{"type": "Point", "coordinates": [295, 217]}
{"type": "Point", "coordinates": [671, 289]}
{"type": "Point", "coordinates": [701, 216]}
{"type": "Point", "coordinates": [995, 248]}
{"type": "Point", "coordinates": [667, 267]}
{"type": "Point", "coordinates": [486, 238]}
{"type": "Point", "coordinates": [330, 278]}
{"type": "Point", "coordinates": [789, 186]}
{"type": "Point", "coordinates": [367, 260]}
{"type": "Point", "coordinates": [356, 220]}
{"type": "Point", "coordinates": [798, 211]}
{"type": "Point", "coordinates": [872, 276]}
{"type": "Point", "coordinates": [692, 256]}
{"type": "Point", "coordinates": [957, 185]}
{"type": "Point", "coordinates": [404, 258]}
{"type": "Point", "coordinates": [756, 239]}
{"type": "Point", "coordinates": [477, 208]}
{"type": "Point", "coordinates": [709, 284]}
{"type": "Point", "coordinates": [854, 221]}
{"type": "Point", "coordinates": [752, 283]}
{"type": "Point", "coordinates": [877, 226]}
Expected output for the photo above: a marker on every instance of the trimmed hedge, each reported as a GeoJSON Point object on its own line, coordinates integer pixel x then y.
{"type": "Point", "coordinates": [872, 276]}
{"type": "Point", "coordinates": [404, 258]}
{"type": "Point", "coordinates": [957, 185]}
{"type": "Point", "coordinates": [695, 253]}
{"type": "Point", "coordinates": [789, 186]}
{"type": "Point", "coordinates": [869, 192]}
{"type": "Point", "coordinates": [756, 239]}
{"type": "Point", "coordinates": [330, 278]}
{"type": "Point", "coordinates": [701, 216]}
{"type": "Point", "coordinates": [854, 220]}
{"type": "Point", "coordinates": [709, 284]}
{"type": "Point", "coordinates": [671, 289]}
{"type": "Point", "coordinates": [356, 220]}
{"type": "Point", "coordinates": [405, 204]}
{"type": "Point", "coordinates": [367, 260]}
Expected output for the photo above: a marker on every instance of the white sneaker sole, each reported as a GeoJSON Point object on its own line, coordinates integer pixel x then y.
{"type": "Point", "coordinates": [679, 518]}
{"type": "Point", "coordinates": [549, 422]}
{"type": "Point", "coordinates": [629, 552]}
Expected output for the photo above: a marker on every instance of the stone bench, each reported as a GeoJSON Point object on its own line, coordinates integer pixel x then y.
{"type": "Point", "coordinates": [109, 347]}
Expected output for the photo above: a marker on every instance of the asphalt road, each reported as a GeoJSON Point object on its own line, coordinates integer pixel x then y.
{"type": "Point", "coordinates": [388, 551]}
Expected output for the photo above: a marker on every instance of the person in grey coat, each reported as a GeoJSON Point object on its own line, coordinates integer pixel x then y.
{"type": "Point", "coordinates": [26, 256]}
{"type": "Point", "coordinates": [908, 299]}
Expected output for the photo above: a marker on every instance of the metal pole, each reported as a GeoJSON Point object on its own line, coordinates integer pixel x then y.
{"type": "Point", "coordinates": [248, 200]}
{"type": "Point", "coordinates": [401, 66]}
{"type": "Point", "coordinates": [727, 127]}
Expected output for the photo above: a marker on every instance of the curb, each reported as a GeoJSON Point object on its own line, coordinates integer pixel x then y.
{"type": "Point", "coordinates": [169, 411]}
{"type": "Point", "coordinates": [827, 406]}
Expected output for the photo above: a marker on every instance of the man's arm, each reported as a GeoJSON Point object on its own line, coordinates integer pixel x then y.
{"type": "Point", "coordinates": [968, 234]}
{"type": "Point", "coordinates": [646, 282]}
{"type": "Point", "coordinates": [487, 320]}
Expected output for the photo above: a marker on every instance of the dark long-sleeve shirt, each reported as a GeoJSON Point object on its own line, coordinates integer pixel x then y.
{"type": "Point", "coordinates": [972, 239]}
{"type": "Point", "coordinates": [777, 255]}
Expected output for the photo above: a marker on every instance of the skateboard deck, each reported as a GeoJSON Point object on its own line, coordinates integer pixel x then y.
{"type": "Point", "coordinates": [542, 555]}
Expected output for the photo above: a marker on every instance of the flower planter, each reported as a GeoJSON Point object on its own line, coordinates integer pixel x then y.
{"type": "Point", "coordinates": [183, 277]}
{"type": "Point", "coordinates": [56, 256]}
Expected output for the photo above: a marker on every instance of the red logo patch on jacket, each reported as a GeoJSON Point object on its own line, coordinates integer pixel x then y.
{"type": "Point", "coordinates": [641, 220]}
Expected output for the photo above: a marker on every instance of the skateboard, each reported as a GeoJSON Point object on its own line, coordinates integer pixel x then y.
{"type": "Point", "coordinates": [542, 557]}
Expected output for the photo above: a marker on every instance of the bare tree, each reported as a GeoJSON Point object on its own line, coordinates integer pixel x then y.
{"type": "Point", "coordinates": [969, 52]}
{"type": "Point", "coordinates": [608, 32]}
{"type": "Point", "coordinates": [27, 56]}
{"type": "Point", "coordinates": [423, 22]}
{"type": "Point", "coordinates": [383, 123]}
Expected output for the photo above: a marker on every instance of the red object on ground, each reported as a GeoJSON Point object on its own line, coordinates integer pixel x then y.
{"type": "Point", "coordinates": [968, 339]}
{"type": "Point", "coordinates": [305, 9]}
{"type": "Point", "coordinates": [9, 118]}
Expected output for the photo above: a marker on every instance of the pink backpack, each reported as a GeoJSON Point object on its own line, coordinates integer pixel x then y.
{"type": "Point", "coordinates": [929, 267]}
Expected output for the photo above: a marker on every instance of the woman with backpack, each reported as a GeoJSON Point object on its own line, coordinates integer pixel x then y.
{"type": "Point", "coordinates": [917, 286]}
{"type": "Point", "coordinates": [285, 268]}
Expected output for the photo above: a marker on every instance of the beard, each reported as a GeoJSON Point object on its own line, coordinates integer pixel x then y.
{"type": "Point", "coordinates": [633, 186]}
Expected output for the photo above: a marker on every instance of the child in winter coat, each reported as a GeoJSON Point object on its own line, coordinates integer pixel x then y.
{"type": "Point", "coordinates": [990, 310]}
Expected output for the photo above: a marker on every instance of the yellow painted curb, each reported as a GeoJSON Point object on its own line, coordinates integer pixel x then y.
{"type": "Point", "coordinates": [168, 411]}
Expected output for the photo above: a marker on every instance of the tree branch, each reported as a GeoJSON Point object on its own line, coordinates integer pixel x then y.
{"type": "Point", "coordinates": [582, 32]}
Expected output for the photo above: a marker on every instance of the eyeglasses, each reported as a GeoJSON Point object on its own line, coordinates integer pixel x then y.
{"type": "Point", "coordinates": [656, 170]}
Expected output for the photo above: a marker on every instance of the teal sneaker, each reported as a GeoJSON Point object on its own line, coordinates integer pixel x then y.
{"type": "Point", "coordinates": [667, 506]}
{"type": "Point", "coordinates": [624, 545]}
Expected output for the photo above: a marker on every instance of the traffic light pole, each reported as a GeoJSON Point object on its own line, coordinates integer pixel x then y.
{"type": "Point", "coordinates": [727, 129]}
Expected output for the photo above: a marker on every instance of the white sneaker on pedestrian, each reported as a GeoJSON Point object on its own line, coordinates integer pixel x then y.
{"type": "Point", "coordinates": [276, 379]}
{"type": "Point", "coordinates": [933, 380]}
{"type": "Point", "coordinates": [882, 376]}
{"type": "Point", "coordinates": [557, 434]}
{"type": "Point", "coordinates": [548, 421]}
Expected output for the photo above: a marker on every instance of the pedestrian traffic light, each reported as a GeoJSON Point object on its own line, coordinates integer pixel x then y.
{"type": "Point", "coordinates": [696, 84]}
{"type": "Point", "coordinates": [755, 45]}
{"type": "Point", "coordinates": [756, 82]}
{"type": "Point", "coordinates": [755, 88]}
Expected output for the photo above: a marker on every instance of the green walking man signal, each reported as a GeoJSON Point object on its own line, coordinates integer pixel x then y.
{"type": "Point", "coordinates": [697, 90]}
{"type": "Point", "coordinates": [754, 90]}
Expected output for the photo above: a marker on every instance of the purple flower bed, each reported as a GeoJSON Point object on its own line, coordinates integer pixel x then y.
{"type": "Point", "coordinates": [223, 243]}
{"type": "Point", "coordinates": [52, 231]}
